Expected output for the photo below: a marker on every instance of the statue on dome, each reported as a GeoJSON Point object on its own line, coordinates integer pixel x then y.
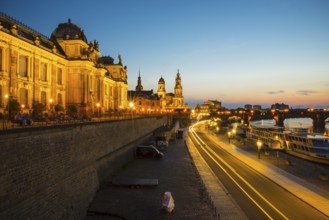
{"type": "Point", "coordinates": [96, 44]}
{"type": "Point", "coordinates": [120, 60]}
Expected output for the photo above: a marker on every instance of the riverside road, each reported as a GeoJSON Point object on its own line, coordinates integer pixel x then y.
{"type": "Point", "coordinates": [238, 186]}
{"type": "Point", "coordinates": [257, 195]}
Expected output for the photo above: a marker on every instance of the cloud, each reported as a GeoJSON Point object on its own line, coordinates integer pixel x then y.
{"type": "Point", "coordinates": [275, 92]}
{"type": "Point", "coordinates": [306, 92]}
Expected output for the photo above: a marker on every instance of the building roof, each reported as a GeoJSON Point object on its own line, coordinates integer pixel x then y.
{"type": "Point", "coordinates": [161, 80]}
{"type": "Point", "coordinates": [144, 93]}
{"type": "Point", "coordinates": [67, 31]}
{"type": "Point", "coordinates": [106, 60]}
{"type": "Point", "coordinates": [22, 31]}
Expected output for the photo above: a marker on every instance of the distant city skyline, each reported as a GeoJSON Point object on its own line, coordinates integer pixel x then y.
{"type": "Point", "coordinates": [237, 52]}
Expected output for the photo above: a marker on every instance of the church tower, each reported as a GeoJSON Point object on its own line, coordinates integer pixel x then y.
{"type": "Point", "coordinates": [139, 86]}
{"type": "Point", "coordinates": [162, 92]}
{"type": "Point", "coordinates": [178, 99]}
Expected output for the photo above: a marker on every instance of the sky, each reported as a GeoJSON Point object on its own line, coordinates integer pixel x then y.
{"type": "Point", "coordinates": [239, 52]}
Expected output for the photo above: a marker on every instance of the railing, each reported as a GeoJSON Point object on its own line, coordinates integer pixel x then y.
{"type": "Point", "coordinates": [23, 25]}
{"type": "Point", "coordinates": [66, 119]}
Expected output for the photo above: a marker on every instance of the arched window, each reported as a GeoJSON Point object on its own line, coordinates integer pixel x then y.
{"type": "Point", "coordinates": [59, 76]}
{"type": "Point", "coordinates": [1, 58]}
{"type": "Point", "coordinates": [59, 99]}
{"type": "Point", "coordinates": [1, 99]}
{"type": "Point", "coordinates": [23, 66]}
{"type": "Point", "coordinates": [43, 98]}
{"type": "Point", "coordinates": [23, 96]}
{"type": "Point", "coordinates": [43, 72]}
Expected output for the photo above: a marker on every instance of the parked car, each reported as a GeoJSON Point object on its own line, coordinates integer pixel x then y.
{"type": "Point", "coordinates": [161, 143]}
{"type": "Point", "coordinates": [148, 151]}
{"type": "Point", "coordinates": [180, 133]}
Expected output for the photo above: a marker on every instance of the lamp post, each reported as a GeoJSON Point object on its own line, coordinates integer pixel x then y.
{"type": "Point", "coordinates": [131, 105]}
{"type": "Point", "coordinates": [229, 136]}
{"type": "Point", "coordinates": [22, 107]}
{"type": "Point", "coordinates": [4, 115]}
{"type": "Point", "coordinates": [98, 106]}
{"type": "Point", "coordinates": [51, 104]}
{"type": "Point", "coordinates": [8, 104]}
{"type": "Point", "coordinates": [259, 147]}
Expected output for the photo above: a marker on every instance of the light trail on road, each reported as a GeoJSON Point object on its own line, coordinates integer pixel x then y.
{"type": "Point", "coordinates": [267, 197]}
{"type": "Point", "coordinates": [210, 152]}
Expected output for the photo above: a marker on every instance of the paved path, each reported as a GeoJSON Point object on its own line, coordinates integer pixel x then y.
{"type": "Point", "coordinates": [175, 172]}
{"type": "Point", "coordinates": [197, 192]}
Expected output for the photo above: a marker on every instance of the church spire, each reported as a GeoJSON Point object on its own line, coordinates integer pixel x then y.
{"type": "Point", "coordinates": [139, 86]}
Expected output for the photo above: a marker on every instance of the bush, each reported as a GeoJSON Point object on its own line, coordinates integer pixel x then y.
{"type": "Point", "coordinates": [38, 109]}
{"type": "Point", "coordinates": [72, 110]}
{"type": "Point", "coordinates": [59, 108]}
{"type": "Point", "coordinates": [14, 107]}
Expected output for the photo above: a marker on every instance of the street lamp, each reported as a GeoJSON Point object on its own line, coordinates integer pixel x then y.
{"type": "Point", "coordinates": [8, 104]}
{"type": "Point", "coordinates": [131, 105]}
{"type": "Point", "coordinates": [259, 147]}
{"type": "Point", "coordinates": [98, 105]}
{"type": "Point", "coordinates": [51, 104]}
{"type": "Point", "coordinates": [229, 136]}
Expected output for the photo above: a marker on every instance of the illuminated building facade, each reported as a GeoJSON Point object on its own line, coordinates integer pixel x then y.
{"type": "Point", "coordinates": [148, 101]}
{"type": "Point", "coordinates": [64, 69]}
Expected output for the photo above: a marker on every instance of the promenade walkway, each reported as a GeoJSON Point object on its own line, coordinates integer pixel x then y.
{"type": "Point", "coordinates": [197, 192]}
{"type": "Point", "coordinates": [175, 172]}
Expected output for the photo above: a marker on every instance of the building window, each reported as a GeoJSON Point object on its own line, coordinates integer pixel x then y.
{"type": "Point", "coordinates": [59, 77]}
{"type": "Point", "coordinates": [59, 99]}
{"type": "Point", "coordinates": [90, 83]}
{"type": "Point", "coordinates": [43, 72]}
{"type": "Point", "coordinates": [23, 96]}
{"type": "Point", "coordinates": [0, 59]}
{"type": "Point", "coordinates": [98, 89]}
{"type": "Point", "coordinates": [43, 98]}
{"type": "Point", "coordinates": [111, 91]}
{"type": "Point", "coordinates": [23, 66]}
{"type": "Point", "coordinates": [1, 99]}
{"type": "Point", "coordinates": [105, 89]}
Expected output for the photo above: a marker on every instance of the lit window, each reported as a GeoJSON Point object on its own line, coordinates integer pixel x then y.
{"type": "Point", "coordinates": [44, 98]}
{"type": "Point", "coordinates": [23, 66]}
{"type": "Point", "coordinates": [105, 89]}
{"type": "Point", "coordinates": [0, 59]}
{"type": "Point", "coordinates": [23, 96]}
{"type": "Point", "coordinates": [43, 72]}
{"type": "Point", "coordinates": [59, 98]}
{"type": "Point", "coordinates": [59, 77]}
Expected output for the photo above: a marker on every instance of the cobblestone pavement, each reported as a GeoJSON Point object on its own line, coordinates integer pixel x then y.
{"type": "Point", "coordinates": [176, 174]}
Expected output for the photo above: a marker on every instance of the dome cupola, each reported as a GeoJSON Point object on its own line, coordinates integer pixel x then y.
{"type": "Point", "coordinates": [68, 31]}
{"type": "Point", "coordinates": [161, 80]}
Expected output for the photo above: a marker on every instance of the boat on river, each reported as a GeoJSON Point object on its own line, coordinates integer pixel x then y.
{"type": "Point", "coordinates": [296, 141]}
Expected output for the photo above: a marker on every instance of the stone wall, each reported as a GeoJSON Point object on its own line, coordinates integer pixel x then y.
{"type": "Point", "coordinates": [53, 172]}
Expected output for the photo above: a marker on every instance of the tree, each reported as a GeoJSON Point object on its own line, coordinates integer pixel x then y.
{"type": "Point", "coordinates": [38, 108]}
{"type": "Point", "coordinates": [13, 107]}
{"type": "Point", "coordinates": [59, 108]}
{"type": "Point", "coordinates": [72, 110]}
